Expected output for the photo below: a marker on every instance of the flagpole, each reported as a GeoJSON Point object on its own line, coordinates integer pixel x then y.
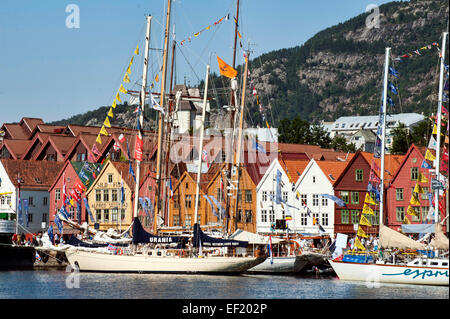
{"type": "Point", "coordinates": [438, 124]}
{"type": "Point", "coordinates": [120, 210]}
{"type": "Point", "coordinates": [141, 116]}
{"type": "Point", "coordinates": [383, 135]}
{"type": "Point", "coordinates": [160, 119]}
{"type": "Point", "coordinates": [238, 154]}
{"type": "Point", "coordinates": [200, 148]}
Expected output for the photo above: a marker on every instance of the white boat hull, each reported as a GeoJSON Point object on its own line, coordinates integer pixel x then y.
{"type": "Point", "coordinates": [280, 265]}
{"type": "Point", "coordinates": [101, 262]}
{"type": "Point", "coordinates": [385, 273]}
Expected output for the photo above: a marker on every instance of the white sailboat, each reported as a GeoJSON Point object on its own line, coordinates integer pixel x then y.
{"type": "Point", "coordinates": [168, 254]}
{"type": "Point", "coordinates": [421, 270]}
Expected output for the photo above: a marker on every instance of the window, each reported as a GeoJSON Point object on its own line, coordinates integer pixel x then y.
{"type": "Point", "coordinates": [44, 217]}
{"type": "Point", "coordinates": [313, 179]}
{"type": "Point", "coordinates": [98, 215]}
{"type": "Point", "coordinates": [399, 193]}
{"type": "Point", "coordinates": [187, 201]}
{"type": "Point", "coordinates": [45, 201]}
{"type": "Point", "coordinates": [106, 215]}
{"type": "Point", "coordinates": [424, 210]}
{"type": "Point", "coordinates": [176, 220]}
{"type": "Point", "coordinates": [114, 215]}
{"type": "Point", "coordinates": [30, 218]}
{"type": "Point", "coordinates": [114, 197]}
{"type": "Point", "coordinates": [98, 195]}
{"type": "Point", "coordinates": [187, 185]}
{"type": "Point", "coordinates": [304, 199]}
{"type": "Point", "coordinates": [324, 201]}
{"type": "Point", "coordinates": [315, 200]}
{"type": "Point", "coordinates": [187, 221]}
{"type": "Point", "coordinates": [344, 196]}
{"type": "Point", "coordinates": [400, 213]}
{"type": "Point", "coordinates": [248, 216]}
{"type": "Point", "coordinates": [30, 200]}
{"type": "Point", "coordinates": [176, 203]}
{"type": "Point", "coordinates": [248, 196]}
{"type": "Point", "coordinates": [219, 194]}
{"type": "Point", "coordinates": [416, 218]}
{"type": "Point", "coordinates": [106, 195]}
{"type": "Point", "coordinates": [414, 173]}
{"type": "Point", "coordinates": [324, 219]}
{"type": "Point", "coordinates": [264, 216]}
{"type": "Point", "coordinates": [303, 219]}
{"type": "Point", "coordinates": [239, 216]}
{"type": "Point", "coordinates": [72, 212]}
{"type": "Point", "coordinates": [355, 197]}
{"type": "Point", "coordinates": [315, 218]}
{"type": "Point", "coordinates": [264, 196]}
{"type": "Point", "coordinates": [271, 195]}
{"type": "Point", "coordinates": [122, 214]}
{"type": "Point", "coordinates": [110, 178]}
{"type": "Point", "coordinates": [359, 176]}
{"type": "Point", "coordinates": [355, 215]}
{"type": "Point", "coordinates": [285, 196]}
{"type": "Point", "coordinates": [344, 216]}
{"type": "Point", "coordinates": [425, 192]}
{"type": "Point", "coordinates": [271, 216]}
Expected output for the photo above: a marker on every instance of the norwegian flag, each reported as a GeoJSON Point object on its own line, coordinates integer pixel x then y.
{"type": "Point", "coordinates": [254, 91]}
{"type": "Point", "coordinates": [121, 138]}
{"type": "Point", "coordinates": [205, 157]}
{"type": "Point", "coordinates": [116, 146]}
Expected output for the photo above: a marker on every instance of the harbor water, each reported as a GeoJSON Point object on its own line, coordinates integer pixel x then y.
{"type": "Point", "coordinates": [61, 284]}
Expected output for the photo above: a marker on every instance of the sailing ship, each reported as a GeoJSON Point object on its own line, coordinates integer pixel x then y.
{"type": "Point", "coordinates": [167, 253]}
{"type": "Point", "coordinates": [393, 267]}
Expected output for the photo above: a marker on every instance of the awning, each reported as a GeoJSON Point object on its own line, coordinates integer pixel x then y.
{"type": "Point", "coordinates": [418, 228]}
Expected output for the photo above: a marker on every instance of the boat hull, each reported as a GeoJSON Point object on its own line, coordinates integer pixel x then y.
{"type": "Point", "coordinates": [397, 274]}
{"type": "Point", "coordinates": [100, 262]}
{"type": "Point", "coordinates": [291, 264]}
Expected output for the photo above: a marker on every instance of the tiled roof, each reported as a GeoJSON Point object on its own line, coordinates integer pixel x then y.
{"type": "Point", "coordinates": [332, 169]}
{"type": "Point", "coordinates": [31, 123]}
{"type": "Point", "coordinates": [15, 131]}
{"type": "Point", "coordinates": [16, 147]}
{"type": "Point", "coordinates": [34, 174]}
{"type": "Point", "coordinates": [391, 164]}
{"type": "Point", "coordinates": [294, 167]}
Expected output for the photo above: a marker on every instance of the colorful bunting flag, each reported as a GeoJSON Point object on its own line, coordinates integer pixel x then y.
{"type": "Point", "coordinates": [369, 200]}
{"type": "Point", "coordinates": [367, 210]}
{"type": "Point", "coordinates": [429, 156]}
{"type": "Point", "coordinates": [364, 221]}
{"type": "Point", "coordinates": [122, 89]}
{"type": "Point", "coordinates": [103, 131]}
{"type": "Point", "coordinates": [361, 233]}
{"type": "Point", "coordinates": [414, 200]}
{"type": "Point", "coordinates": [358, 244]}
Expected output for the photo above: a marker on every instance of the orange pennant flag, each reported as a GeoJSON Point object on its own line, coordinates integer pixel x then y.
{"type": "Point", "coordinates": [225, 69]}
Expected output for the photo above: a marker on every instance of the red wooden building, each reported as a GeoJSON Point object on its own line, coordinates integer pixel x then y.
{"type": "Point", "coordinates": [351, 187]}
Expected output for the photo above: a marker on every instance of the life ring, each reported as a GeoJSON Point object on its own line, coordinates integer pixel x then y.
{"type": "Point", "coordinates": [216, 252]}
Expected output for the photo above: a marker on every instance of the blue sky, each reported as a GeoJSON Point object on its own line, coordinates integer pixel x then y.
{"type": "Point", "coordinates": [53, 72]}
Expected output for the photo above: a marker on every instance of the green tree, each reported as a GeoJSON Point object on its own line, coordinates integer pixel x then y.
{"type": "Point", "coordinates": [401, 139]}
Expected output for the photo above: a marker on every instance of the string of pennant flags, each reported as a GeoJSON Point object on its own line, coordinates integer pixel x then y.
{"type": "Point", "coordinates": [418, 51]}
{"type": "Point", "coordinates": [195, 35]}
{"type": "Point", "coordinates": [117, 98]}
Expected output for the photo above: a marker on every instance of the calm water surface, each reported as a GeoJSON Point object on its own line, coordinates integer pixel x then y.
{"type": "Point", "coordinates": [52, 284]}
